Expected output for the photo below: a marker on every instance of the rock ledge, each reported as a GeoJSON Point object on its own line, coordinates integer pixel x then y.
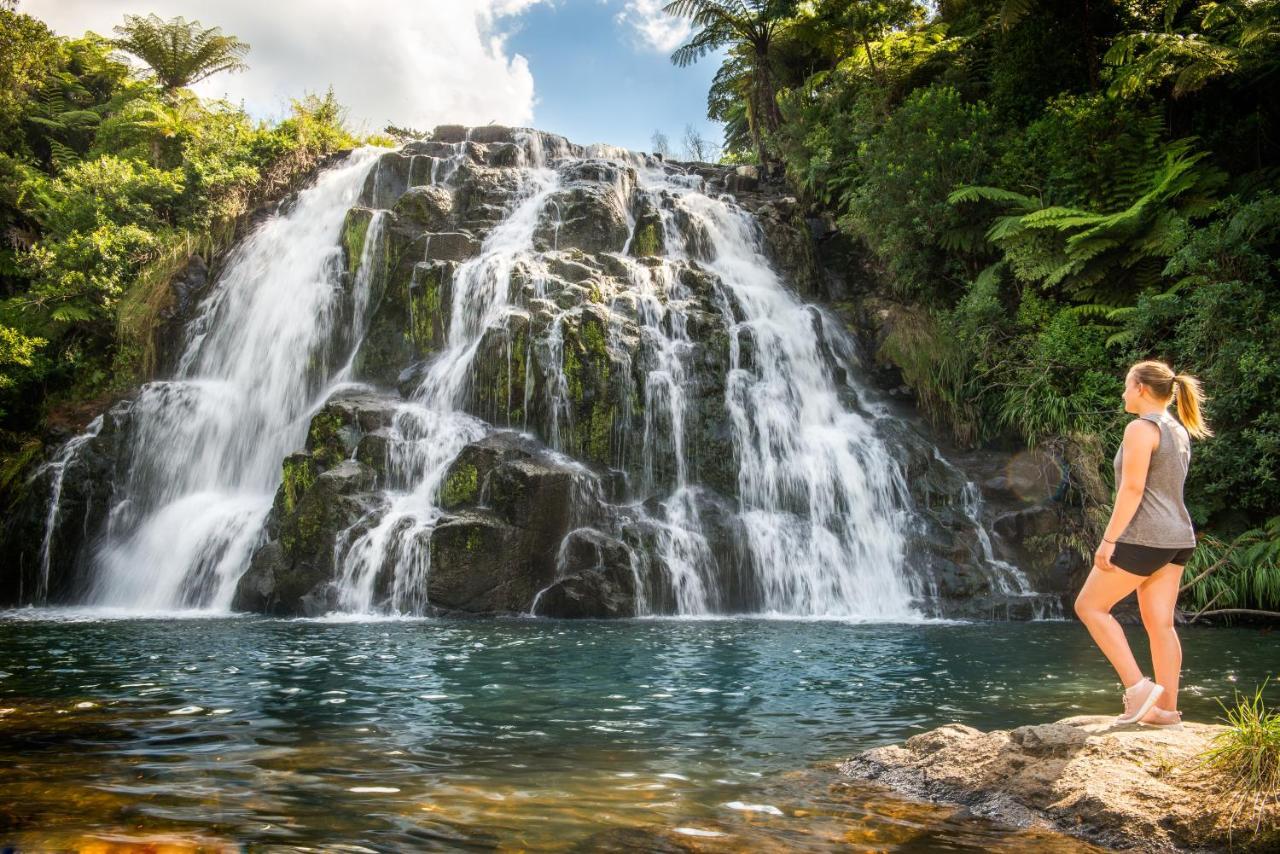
{"type": "Point", "coordinates": [1137, 788]}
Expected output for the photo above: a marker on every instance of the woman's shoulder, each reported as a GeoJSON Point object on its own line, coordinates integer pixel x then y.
{"type": "Point", "coordinates": [1144, 425]}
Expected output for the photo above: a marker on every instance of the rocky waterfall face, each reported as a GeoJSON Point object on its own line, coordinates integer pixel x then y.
{"type": "Point", "coordinates": [497, 372]}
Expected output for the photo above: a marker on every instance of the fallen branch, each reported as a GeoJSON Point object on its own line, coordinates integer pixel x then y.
{"type": "Point", "coordinates": [1208, 605]}
{"type": "Point", "coordinates": [1252, 612]}
{"type": "Point", "coordinates": [1214, 567]}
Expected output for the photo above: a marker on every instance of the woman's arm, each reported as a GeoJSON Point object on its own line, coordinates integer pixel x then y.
{"type": "Point", "coordinates": [1139, 443]}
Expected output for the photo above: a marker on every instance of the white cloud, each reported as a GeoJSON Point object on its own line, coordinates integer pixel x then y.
{"type": "Point", "coordinates": [655, 28]}
{"type": "Point", "coordinates": [413, 62]}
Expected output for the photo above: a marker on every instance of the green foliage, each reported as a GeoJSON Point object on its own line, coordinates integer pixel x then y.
{"type": "Point", "coordinates": [898, 202]}
{"type": "Point", "coordinates": [180, 52]}
{"type": "Point", "coordinates": [109, 183]}
{"type": "Point", "coordinates": [1204, 42]}
{"type": "Point", "coordinates": [1243, 572]}
{"type": "Point", "coordinates": [1100, 255]}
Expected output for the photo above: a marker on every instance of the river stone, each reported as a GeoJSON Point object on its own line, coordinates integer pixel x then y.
{"type": "Point", "coordinates": [1131, 788]}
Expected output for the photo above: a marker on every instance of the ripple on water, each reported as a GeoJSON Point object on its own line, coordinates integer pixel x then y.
{"type": "Point", "coordinates": [531, 734]}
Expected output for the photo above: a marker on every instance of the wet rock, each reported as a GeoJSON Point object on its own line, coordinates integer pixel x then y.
{"type": "Point", "coordinates": [590, 218]}
{"type": "Point", "coordinates": [484, 195]}
{"type": "Point", "coordinates": [427, 208]}
{"type": "Point", "coordinates": [456, 246]}
{"type": "Point", "coordinates": [87, 482]}
{"type": "Point", "coordinates": [596, 579]}
{"type": "Point", "coordinates": [509, 504]}
{"type": "Point", "coordinates": [1136, 788]}
{"type": "Point", "coordinates": [292, 574]}
{"type": "Point", "coordinates": [387, 180]}
{"type": "Point", "coordinates": [648, 237]}
{"type": "Point", "coordinates": [410, 317]}
{"type": "Point", "coordinates": [790, 246]}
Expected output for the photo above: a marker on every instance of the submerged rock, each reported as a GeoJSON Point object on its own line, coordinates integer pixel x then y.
{"type": "Point", "coordinates": [1137, 788]}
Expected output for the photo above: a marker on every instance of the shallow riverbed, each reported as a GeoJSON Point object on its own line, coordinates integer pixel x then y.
{"type": "Point", "coordinates": [510, 734]}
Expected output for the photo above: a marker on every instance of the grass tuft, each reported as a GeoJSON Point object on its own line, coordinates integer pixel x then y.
{"type": "Point", "coordinates": [1247, 753]}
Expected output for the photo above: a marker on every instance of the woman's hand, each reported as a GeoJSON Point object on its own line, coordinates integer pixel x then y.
{"type": "Point", "coordinates": [1102, 557]}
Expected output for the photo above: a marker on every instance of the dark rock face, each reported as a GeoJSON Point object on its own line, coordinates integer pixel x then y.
{"type": "Point", "coordinates": [84, 480]}
{"type": "Point", "coordinates": [597, 578]}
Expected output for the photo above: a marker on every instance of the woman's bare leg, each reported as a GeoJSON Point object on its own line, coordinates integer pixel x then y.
{"type": "Point", "coordinates": [1157, 598]}
{"type": "Point", "coordinates": [1101, 591]}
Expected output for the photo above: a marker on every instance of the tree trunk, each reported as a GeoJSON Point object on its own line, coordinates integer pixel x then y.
{"type": "Point", "coordinates": [768, 116]}
{"type": "Point", "coordinates": [871, 60]}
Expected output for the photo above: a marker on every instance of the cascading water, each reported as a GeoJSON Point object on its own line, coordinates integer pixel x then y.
{"type": "Point", "coordinates": [429, 431]}
{"type": "Point", "coordinates": [713, 390]}
{"type": "Point", "coordinates": [204, 460]}
{"type": "Point", "coordinates": [822, 500]}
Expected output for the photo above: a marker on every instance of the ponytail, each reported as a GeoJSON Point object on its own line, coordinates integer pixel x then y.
{"type": "Point", "coordinates": [1188, 396]}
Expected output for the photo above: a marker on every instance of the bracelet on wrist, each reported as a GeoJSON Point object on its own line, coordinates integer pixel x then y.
{"type": "Point", "coordinates": [1105, 540]}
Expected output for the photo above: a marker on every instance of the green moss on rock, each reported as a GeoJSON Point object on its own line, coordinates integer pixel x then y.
{"type": "Point", "coordinates": [355, 228]}
{"type": "Point", "coordinates": [647, 238]}
{"type": "Point", "coordinates": [299, 476]}
{"type": "Point", "coordinates": [461, 486]}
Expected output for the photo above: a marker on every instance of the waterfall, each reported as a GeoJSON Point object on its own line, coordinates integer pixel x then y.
{"type": "Point", "coordinates": [790, 503]}
{"type": "Point", "coordinates": [205, 447]}
{"type": "Point", "coordinates": [800, 446]}
{"type": "Point", "coordinates": [57, 469]}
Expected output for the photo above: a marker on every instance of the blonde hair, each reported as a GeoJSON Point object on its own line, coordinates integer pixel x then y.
{"type": "Point", "coordinates": [1183, 388]}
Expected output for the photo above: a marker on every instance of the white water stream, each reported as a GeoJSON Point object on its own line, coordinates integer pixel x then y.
{"type": "Point", "coordinates": [206, 446]}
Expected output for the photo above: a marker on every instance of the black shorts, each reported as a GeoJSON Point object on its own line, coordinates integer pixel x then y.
{"type": "Point", "coordinates": [1145, 560]}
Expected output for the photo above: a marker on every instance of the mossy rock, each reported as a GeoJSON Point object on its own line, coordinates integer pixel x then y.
{"type": "Point", "coordinates": [355, 228]}
{"type": "Point", "coordinates": [505, 389]}
{"type": "Point", "coordinates": [648, 236]}
{"type": "Point", "coordinates": [428, 208]}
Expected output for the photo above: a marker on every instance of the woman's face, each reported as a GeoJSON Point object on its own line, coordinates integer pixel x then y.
{"type": "Point", "coordinates": [1133, 392]}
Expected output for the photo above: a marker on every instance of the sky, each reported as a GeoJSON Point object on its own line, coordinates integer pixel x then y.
{"type": "Point", "coordinates": [592, 70]}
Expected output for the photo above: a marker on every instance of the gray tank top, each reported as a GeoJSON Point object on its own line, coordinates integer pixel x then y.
{"type": "Point", "coordinates": [1162, 519]}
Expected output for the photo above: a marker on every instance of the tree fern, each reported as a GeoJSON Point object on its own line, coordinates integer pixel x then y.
{"type": "Point", "coordinates": [1102, 256]}
{"type": "Point", "coordinates": [1213, 40]}
{"type": "Point", "coordinates": [180, 52]}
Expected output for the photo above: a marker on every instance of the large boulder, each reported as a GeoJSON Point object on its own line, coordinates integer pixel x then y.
{"type": "Point", "coordinates": [509, 503]}
{"type": "Point", "coordinates": [292, 573]}
{"type": "Point", "coordinates": [323, 492]}
{"type": "Point", "coordinates": [596, 578]}
{"type": "Point", "coordinates": [1131, 788]}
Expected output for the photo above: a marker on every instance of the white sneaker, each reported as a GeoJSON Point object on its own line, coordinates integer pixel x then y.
{"type": "Point", "coordinates": [1162, 719]}
{"type": "Point", "coordinates": [1139, 699]}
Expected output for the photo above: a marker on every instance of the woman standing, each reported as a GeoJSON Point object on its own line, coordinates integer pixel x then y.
{"type": "Point", "coordinates": [1148, 540]}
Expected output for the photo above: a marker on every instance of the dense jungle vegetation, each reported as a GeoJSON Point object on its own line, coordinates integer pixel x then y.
{"type": "Point", "coordinates": [1043, 192]}
{"type": "Point", "coordinates": [112, 175]}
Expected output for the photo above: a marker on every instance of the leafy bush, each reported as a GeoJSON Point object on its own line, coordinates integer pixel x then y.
{"type": "Point", "coordinates": [904, 173]}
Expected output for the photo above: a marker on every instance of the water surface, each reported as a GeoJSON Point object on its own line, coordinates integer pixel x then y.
{"type": "Point", "coordinates": [501, 735]}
